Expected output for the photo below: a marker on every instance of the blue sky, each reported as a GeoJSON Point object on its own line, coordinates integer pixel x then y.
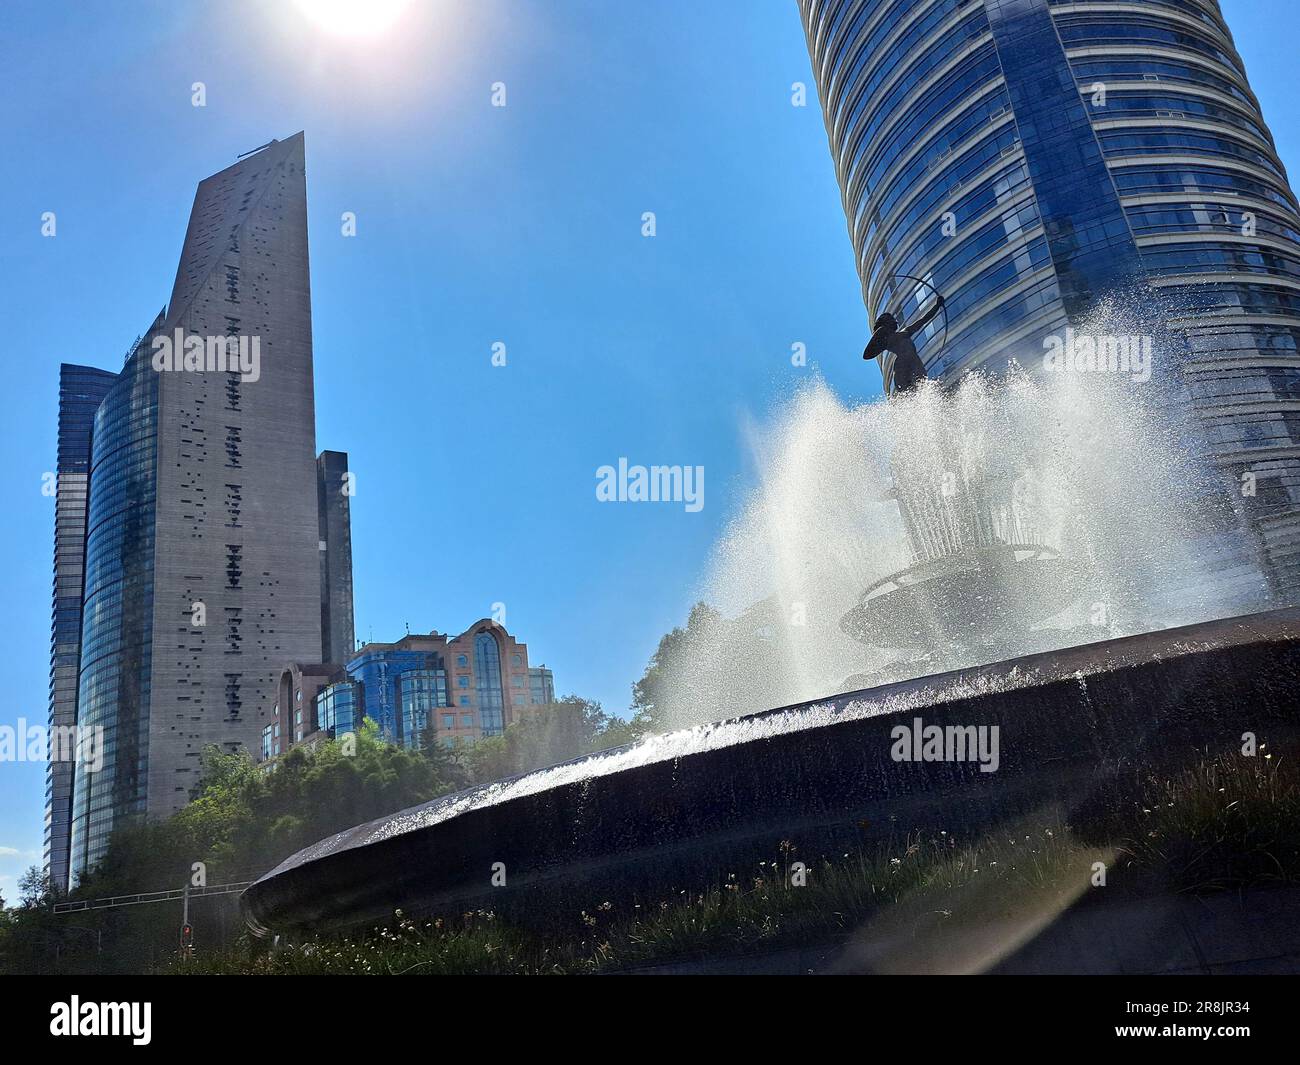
{"type": "Point", "coordinates": [475, 225]}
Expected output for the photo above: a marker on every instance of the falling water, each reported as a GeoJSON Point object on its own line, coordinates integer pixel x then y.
{"type": "Point", "coordinates": [1001, 518]}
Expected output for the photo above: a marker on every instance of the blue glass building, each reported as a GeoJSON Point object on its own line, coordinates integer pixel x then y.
{"type": "Point", "coordinates": [117, 608]}
{"type": "Point", "coordinates": [380, 672]}
{"type": "Point", "coordinates": [1026, 157]}
{"type": "Point", "coordinates": [81, 390]}
{"type": "Point", "coordinates": [421, 693]}
{"type": "Point", "coordinates": [541, 686]}
{"type": "Point", "coordinates": [338, 709]}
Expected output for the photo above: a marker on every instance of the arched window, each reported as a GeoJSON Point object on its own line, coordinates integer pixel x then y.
{"type": "Point", "coordinates": [487, 681]}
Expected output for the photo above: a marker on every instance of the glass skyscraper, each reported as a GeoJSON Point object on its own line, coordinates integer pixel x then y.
{"type": "Point", "coordinates": [1029, 157]}
{"type": "Point", "coordinates": [213, 542]}
{"type": "Point", "coordinates": [117, 607]}
{"type": "Point", "coordinates": [334, 515]}
{"type": "Point", "coordinates": [81, 390]}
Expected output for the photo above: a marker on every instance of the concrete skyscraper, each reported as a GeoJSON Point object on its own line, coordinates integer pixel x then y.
{"type": "Point", "coordinates": [207, 528]}
{"type": "Point", "coordinates": [1028, 157]}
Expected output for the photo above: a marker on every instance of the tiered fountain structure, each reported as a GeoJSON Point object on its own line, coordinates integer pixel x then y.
{"type": "Point", "coordinates": [990, 519]}
{"type": "Point", "coordinates": [987, 572]}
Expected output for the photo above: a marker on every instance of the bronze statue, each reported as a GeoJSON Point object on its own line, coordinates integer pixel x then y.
{"type": "Point", "coordinates": [909, 370]}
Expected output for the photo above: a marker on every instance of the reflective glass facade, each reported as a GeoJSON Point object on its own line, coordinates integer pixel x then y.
{"type": "Point", "coordinates": [541, 686]}
{"type": "Point", "coordinates": [487, 683]}
{"type": "Point", "coordinates": [378, 673]}
{"type": "Point", "coordinates": [81, 390]}
{"type": "Point", "coordinates": [421, 691]}
{"type": "Point", "coordinates": [117, 613]}
{"type": "Point", "coordinates": [338, 708]}
{"type": "Point", "coordinates": [973, 149]}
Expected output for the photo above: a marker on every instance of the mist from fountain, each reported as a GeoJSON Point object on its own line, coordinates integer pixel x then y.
{"type": "Point", "coordinates": [1034, 511]}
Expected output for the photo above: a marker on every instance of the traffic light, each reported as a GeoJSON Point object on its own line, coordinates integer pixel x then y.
{"type": "Point", "coordinates": [187, 937]}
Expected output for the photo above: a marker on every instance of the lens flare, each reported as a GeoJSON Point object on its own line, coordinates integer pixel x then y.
{"type": "Point", "coordinates": [353, 18]}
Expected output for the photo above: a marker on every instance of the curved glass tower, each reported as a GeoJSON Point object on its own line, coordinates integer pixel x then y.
{"type": "Point", "coordinates": [81, 390]}
{"type": "Point", "coordinates": [117, 608]}
{"type": "Point", "coordinates": [1026, 157]}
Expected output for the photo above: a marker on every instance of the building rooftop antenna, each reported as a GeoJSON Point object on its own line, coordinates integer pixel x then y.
{"type": "Point", "coordinates": [257, 149]}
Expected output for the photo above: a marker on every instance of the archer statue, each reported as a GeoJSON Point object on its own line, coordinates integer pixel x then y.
{"type": "Point", "coordinates": [909, 370]}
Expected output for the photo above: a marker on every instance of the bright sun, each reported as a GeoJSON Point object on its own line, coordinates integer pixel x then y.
{"type": "Point", "coordinates": [353, 18]}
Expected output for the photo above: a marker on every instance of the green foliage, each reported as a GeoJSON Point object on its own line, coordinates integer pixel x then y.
{"type": "Point", "coordinates": [244, 818]}
{"type": "Point", "coordinates": [34, 888]}
{"type": "Point", "coordinates": [917, 888]}
{"type": "Point", "coordinates": [655, 695]}
{"type": "Point", "coordinates": [566, 729]}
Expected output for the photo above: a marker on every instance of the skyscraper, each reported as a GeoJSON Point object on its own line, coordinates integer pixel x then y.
{"type": "Point", "coordinates": [203, 520]}
{"type": "Point", "coordinates": [333, 502]}
{"type": "Point", "coordinates": [81, 389]}
{"type": "Point", "coordinates": [1029, 158]}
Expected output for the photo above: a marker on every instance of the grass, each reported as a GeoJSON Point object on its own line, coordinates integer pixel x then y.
{"type": "Point", "coordinates": [1224, 823]}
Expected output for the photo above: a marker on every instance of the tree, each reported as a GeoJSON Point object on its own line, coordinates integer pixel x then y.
{"type": "Point", "coordinates": [568, 728]}
{"type": "Point", "coordinates": [243, 819]}
{"type": "Point", "coordinates": [618, 732]}
{"type": "Point", "coordinates": [658, 697]}
{"type": "Point", "coordinates": [35, 888]}
{"type": "Point", "coordinates": [560, 731]}
{"type": "Point", "coordinates": [446, 761]}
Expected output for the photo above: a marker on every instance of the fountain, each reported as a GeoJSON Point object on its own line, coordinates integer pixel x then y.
{"type": "Point", "coordinates": [985, 572]}
{"type": "Point", "coordinates": [1040, 556]}
{"type": "Point", "coordinates": [950, 529]}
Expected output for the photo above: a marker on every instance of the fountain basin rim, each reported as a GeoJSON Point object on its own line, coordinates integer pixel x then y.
{"type": "Point", "coordinates": [1077, 661]}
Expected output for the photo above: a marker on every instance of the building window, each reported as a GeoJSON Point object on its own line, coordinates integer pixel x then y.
{"type": "Point", "coordinates": [464, 700]}
{"type": "Point", "coordinates": [461, 660]}
{"type": "Point", "coordinates": [541, 686]}
{"type": "Point", "coordinates": [467, 720]}
{"type": "Point", "coordinates": [516, 681]}
{"type": "Point", "coordinates": [463, 681]}
{"type": "Point", "coordinates": [487, 676]}
{"type": "Point", "coordinates": [448, 720]}
{"type": "Point", "coordinates": [336, 708]}
{"type": "Point", "coordinates": [518, 660]}
{"type": "Point", "coordinates": [421, 692]}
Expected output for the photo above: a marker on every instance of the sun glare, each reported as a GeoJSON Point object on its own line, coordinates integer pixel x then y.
{"type": "Point", "coordinates": [353, 18]}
